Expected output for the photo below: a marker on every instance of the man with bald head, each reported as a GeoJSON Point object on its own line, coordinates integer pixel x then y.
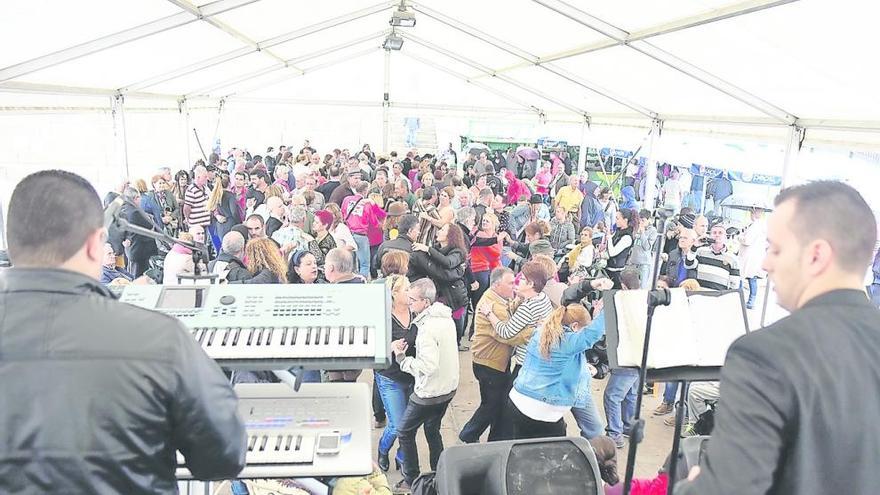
{"type": "Point", "coordinates": [229, 265]}
{"type": "Point", "coordinates": [675, 262]}
{"type": "Point", "coordinates": [195, 206]}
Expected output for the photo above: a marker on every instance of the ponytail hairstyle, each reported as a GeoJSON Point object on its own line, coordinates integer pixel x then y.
{"type": "Point", "coordinates": [554, 325]}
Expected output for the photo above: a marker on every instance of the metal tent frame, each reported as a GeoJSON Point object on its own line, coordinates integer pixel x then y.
{"type": "Point", "coordinates": [237, 88]}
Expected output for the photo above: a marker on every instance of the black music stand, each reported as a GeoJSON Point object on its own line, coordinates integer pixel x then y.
{"type": "Point", "coordinates": [683, 374]}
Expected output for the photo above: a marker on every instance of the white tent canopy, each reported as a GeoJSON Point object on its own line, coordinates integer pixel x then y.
{"type": "Point", "coordinates": [134, 78]}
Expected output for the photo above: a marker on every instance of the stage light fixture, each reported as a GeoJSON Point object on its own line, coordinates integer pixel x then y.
{"type": "Point", "coordinates": [403, 18]}
{"type": "Point", "coordinates": [393, 42]}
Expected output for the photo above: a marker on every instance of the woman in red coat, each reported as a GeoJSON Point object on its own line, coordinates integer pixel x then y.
{"type": "Point", "coordinates": [485, 254]}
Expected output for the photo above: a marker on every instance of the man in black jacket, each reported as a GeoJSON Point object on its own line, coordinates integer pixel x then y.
{"type": "Point", "coordinates": [326, 189]}
{"type": "Point", "coordinates": [97, 395]}
{"type": "Point", "coordinates": [139, 247]}
{"type": "Point", "coordinates": [228, 263]}
{"type": "Point", "coordinates": [408, 228]}
{"type": "Point", "coordinates": [786, 387]}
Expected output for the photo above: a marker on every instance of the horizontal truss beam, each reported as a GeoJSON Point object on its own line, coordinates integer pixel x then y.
{"type": "Point", "coordinates": [119, 38]}
{"type": "Point", "coordinates": [262, 45]}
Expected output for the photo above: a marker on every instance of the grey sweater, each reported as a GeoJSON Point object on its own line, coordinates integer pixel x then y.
{"type": "Point", "coordinates": [643, 247]}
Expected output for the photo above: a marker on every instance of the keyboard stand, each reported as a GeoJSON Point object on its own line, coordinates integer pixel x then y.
{"type": "Point", "coordinates": [294, 380]}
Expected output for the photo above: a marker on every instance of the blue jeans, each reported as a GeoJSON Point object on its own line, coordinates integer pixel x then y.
{"type": "Point", "coordinates": [670, 392]}
{"type": "Point", "coordinates": [394, 397]}
{"type": "Point", "coordinates": [753, 290]}
{"type": "Point", "coordinates": [874, 292]}
{"type": "Point", "coordinates": [363, 254]}
{"type": "Point", "coordinates": [587, 419]}
{"type": "Point", "coordinates": [311, 376]}
{"type": "Point", "coordinates": [645, 272]}
{"type": "Point", "coordinates": [620, 400]}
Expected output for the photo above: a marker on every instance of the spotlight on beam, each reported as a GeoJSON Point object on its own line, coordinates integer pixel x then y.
{"type": "Point", "coordinates": [393, 42]}
{"type": "Point", "coordinates": [402, 17]}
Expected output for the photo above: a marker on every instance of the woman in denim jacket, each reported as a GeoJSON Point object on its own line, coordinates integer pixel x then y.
{"type": "Point", "coordinates": [554, 377]}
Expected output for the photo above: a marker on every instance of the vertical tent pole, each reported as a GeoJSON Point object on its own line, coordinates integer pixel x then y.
{"type": "Point", "coordinates": [651, 171]}
{"type": "Point", "coordinates": [119, 113]}
{"type": "Point", "coordinates": [792, 148]}
{"type": "Point", "coordinates": [582, 154]}
{"type": "Point", "coordinates": [386, 100]}
{"type": "Point", "coordinates": [183, 105]}
{"type": "Point", "coordinates": [124, 135]}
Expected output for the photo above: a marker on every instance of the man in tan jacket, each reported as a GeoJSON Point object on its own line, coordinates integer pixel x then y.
{"type": "Point", "coordinates": [491, 359]}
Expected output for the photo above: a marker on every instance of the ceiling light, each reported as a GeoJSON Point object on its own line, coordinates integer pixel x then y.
{"type": "Point", "coordinates": [403, 18]}
{"type": "Point", "coordinates": [393, 42]}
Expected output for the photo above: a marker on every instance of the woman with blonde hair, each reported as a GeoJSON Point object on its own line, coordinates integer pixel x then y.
{"type": "Point", "coordinates": [281, 173]}
{"type": "Point", "coordinates": [485, 254]}
{"type": "Point", "coordinates": [393, 385]}
{"type": "Point", "coordinates": [554, 377]}
{"type": "Point", "coordinates": [265, 263]}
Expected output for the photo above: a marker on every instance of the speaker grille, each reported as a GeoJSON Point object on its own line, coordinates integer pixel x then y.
{"type": "Point", "coordinates": [551, 468]}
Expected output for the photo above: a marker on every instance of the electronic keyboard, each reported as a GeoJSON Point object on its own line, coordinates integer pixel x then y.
{"type": "Point", "coordinates": [283, 428]}
{"type": "Point", "coordinates": [274, 327]}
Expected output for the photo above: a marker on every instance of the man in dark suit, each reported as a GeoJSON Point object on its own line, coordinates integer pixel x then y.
{"type": "Point", "coordinates": [799, 399]}
{"type": "Point", "coordinates": [139, 247]}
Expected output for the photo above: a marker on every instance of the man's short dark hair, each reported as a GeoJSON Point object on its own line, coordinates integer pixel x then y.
{"type": "Point", "coordinates": [256, 216]}
{"type": "Point", "coordinates": [51, 214]}
{"type": "Point", "coordinates": [406, 223]}
{"type": "Point", "coordinates": [334, 171]}
{"type": "Point", "coordinates": [629, 279]}
{"type": "Point", "coordinates": [837, 213]}
{"type": "Point", "coordinates": [262, 174]}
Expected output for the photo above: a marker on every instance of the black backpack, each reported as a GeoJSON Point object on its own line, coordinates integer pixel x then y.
{"type": "Point", "coordinates": [706, 422]}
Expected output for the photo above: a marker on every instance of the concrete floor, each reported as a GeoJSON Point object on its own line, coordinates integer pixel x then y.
{"type": "Point", "coordinates": [658, 437]}
{"type": "Point", "coordinates": [651, 453]}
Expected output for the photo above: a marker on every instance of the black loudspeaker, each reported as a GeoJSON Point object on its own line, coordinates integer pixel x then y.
{"type": "Point", "coordinates": [543, 466]}
{"type": "Point", "coordinates": [690, 454]}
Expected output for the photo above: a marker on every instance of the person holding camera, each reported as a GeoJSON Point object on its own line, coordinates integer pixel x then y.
{"type": "Point", "coordinates": [641, 256]}
{"type": "Point", "coordinates": [620, 243]}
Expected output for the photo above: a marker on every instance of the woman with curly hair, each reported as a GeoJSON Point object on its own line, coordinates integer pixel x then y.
{"type": "Point", "coordinates": [265, 263]}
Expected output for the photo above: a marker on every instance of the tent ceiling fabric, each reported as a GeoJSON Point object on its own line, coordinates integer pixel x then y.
{"type": "Point", "coordinates": [767, 62]}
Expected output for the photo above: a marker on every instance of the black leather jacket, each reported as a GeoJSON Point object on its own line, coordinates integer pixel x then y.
{"type": "Point", "coordinates": [96, 395]}
{"type": "Point", "coordinates": [446, 268]}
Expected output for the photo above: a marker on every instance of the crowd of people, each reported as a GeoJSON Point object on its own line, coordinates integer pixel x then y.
{"type": "Point", "coordinates": [486, 256]}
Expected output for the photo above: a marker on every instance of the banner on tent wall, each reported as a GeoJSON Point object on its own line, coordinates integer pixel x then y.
{"type": "Point", "coordinates": [551, 143]}
{"type": "Point", "coordinates": [712, 173]}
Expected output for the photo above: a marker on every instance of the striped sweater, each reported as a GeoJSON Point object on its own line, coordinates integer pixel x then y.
{"type": "Point", "coordinates": [197, 199]}
{"type": "Point", "coordinates": [716, 271]}
{"type": "Point", "coordinates": [527, 316]}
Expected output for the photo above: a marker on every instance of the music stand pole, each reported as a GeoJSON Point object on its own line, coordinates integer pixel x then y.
{"type": "Point", "coordinates": [676, 440]}
{"type": "Point", "coordinates": [637, 433]}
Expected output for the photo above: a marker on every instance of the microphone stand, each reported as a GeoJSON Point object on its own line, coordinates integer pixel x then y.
{"type": "Point", "coordinates": [126, 226]}
{"type": "Point", "coordinates": [199, 249]}
{"type": "Point", "coordinates": [655, 298]}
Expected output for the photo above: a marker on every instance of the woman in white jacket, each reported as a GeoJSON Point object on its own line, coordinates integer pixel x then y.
{"type": "Point", "coordinates": [435, 368]}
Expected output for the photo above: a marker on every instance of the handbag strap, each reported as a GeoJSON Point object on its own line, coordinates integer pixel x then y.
{"type": "Point", "coordinates": [351, 210]}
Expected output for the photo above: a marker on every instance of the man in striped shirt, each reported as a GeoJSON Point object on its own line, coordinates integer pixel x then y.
{"type": "Point", "coordinates": [534, 309]}
{"type": "Point", "coordinates": [717, 269]}
{"type": "Point", "coordinates": [195, 206]}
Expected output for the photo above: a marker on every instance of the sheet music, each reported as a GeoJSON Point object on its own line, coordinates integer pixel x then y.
{"type": "Point", "coordinates": [717, 322]}
{"type": "Point", "coordinates": [694, 330]}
